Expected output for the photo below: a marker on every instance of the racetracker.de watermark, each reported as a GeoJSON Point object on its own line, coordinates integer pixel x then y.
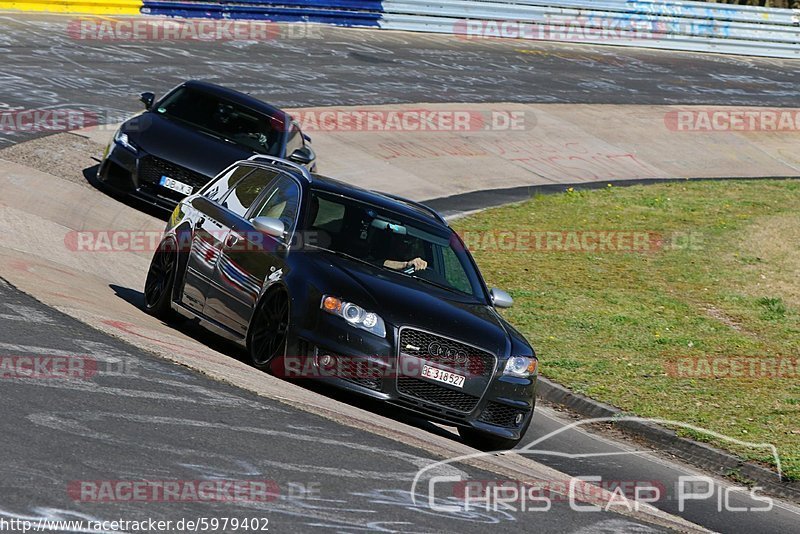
{"type": "Point", "coordinates": [447, 365]}
{"type": "Point", "coordinates": [532, 241]}
{"type": "Point", "coordinates": [156, 29]}
{"type": "Point", "coordinates": [587, 241]}
{"type": "Point", "coordinates": [733, 120]}
{"type": "Point", "coordinates": [413, 120]}
{"type": "Point", "coordinates": [742, 367]}
{"type": "Point", "coordinates": [62, 367]}
{"type": "Point", "coordinates": [48, 367]}
{"type": "Point", "coordinates": [47, 120]}
{"type": "Point", "coordinates": [570, 29]}
{"type": "Point", "coordinates": [105, 241]}
{"type": "Point", "coordinates": [230, 491]}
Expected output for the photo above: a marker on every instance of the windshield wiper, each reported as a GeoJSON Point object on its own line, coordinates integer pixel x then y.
{"type": "Point", "coordinates": [198, 127]}
{"type": "Point", "coordinates": [344, 255]}
{"type": "Point", "coordinates": [215, 136]}
{"type": "Point", "coordinates": [436, 284]}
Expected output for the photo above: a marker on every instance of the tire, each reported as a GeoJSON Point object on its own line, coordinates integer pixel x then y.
{"type": "Point", "coordinates": [489, 442]}
{"type": "Point", "coordinates": [160, 281]}
{"type": "Point", "coordinates": [266, 338]}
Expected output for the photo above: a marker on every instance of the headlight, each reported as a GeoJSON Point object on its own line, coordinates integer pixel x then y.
{"type": "Point", "coordinates": [521, 366]}
{"type": "Point", "coordinates": [355, 315]}
{"type": "Point", "coordinates": [122, 140]}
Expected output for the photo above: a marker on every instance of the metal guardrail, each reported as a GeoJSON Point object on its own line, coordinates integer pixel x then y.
{"type": "Point", "coordinates": [691, 26]}
{"type": "Point", "coordinates": [671, 25]}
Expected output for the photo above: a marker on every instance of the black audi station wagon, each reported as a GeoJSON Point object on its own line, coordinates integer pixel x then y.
{"type": "Point", "coordinates": [373, 293]}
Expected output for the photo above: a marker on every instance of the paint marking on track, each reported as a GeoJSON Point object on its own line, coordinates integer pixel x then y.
{"type": "Point", "coordinates": [24, 314]}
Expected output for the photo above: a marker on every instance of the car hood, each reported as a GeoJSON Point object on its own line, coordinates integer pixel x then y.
{"type": "Point", "coordinates": [404, 301]}
{"type": "Point", "coordinates": [180, 144]}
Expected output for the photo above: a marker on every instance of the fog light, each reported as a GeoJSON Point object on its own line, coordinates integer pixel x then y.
{"type": "Point", "coordinates": [325, 361]}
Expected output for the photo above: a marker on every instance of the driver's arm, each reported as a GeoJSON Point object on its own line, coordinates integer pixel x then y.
{"type": "Point", "coordinates": [418, 263]}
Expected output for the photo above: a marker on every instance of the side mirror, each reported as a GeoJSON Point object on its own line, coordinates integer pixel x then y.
{"type": "Point", "coordinates": [147, 99]}
{"type": "Point", "coordinates": [303, 156]}
{"type": "Point", "coordinates": [501, 299]}
{"type": "Point", "coordinates": [269, 226]}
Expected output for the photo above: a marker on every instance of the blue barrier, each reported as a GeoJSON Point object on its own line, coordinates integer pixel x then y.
{"type": "Point", "coordinates": [338, 12]}
{"type": "Point", "coordinates": [670, 25]}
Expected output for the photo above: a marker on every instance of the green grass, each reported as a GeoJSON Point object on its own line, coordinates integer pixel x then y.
{"type": "Point", "coordinates": [722, 283]}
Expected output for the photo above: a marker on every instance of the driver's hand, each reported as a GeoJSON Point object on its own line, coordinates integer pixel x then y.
{"type": "Point", "coordinates": [418, 264]}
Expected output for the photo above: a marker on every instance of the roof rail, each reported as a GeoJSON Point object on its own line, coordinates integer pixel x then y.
{"type": "Point", "coordinates": [282, 162]}
{"type": "Point", "coordinates": [418, 205]}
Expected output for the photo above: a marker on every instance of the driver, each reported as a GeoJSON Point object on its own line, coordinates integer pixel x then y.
{"type": "Point", "coordinates": [386, 243]}
{"type": "Point", "coordinates": [417, 264]}
{"type": "Point", "coordinates": [403, 248]}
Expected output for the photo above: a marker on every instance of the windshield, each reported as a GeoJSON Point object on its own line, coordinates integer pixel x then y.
{"type": "Point", "coordinates": [393, 242]}
{"type": "Point", "coordinates": [224, 119]}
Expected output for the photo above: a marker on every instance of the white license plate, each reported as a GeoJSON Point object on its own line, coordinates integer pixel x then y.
{"type": "Point", "coordinates": [445, 377]}
{"type": "Point", "coordinates": [175, 185]}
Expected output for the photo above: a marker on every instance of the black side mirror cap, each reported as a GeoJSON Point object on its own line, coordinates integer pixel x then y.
{"type": "Point", "coordinates": [303, 156]}
{"type": "Point", "coordinates": [147, 99]}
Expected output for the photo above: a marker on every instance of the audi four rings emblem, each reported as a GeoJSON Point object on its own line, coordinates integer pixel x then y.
{"type": "Point", "coordinates": [436, 349]}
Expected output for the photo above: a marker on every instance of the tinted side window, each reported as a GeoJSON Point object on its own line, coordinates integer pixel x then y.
{"type": "Point", "coordinates": [329, 216]}
{"type": "Point", "coordinates": [218, 188]}
{"type": "Point", "coordinates": [246, 191]}
{"type": "Point", "coordinates": [454, 272]}
{"type": "Point", "coordinates": [281, 202]}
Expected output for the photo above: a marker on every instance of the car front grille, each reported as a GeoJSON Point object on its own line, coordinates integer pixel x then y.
{"type": "Point", "coordinates": [501, 415]}
{"type": "Point", "coordinates": [151, 169]}
{"type": "Point", "coordinates": [460, 357]}
{"type": "Point", "coordinates": [436, 394]}
{"type": "Point", "coordinates": [444, 351]}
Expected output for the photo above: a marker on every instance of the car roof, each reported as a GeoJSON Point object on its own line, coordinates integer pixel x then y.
{"type": "Point", "coordinates": [238, 98]}
{"type": "Point", "coordinates": [317, 182]}
{"type": "Point", "coordinates": [404, 206]}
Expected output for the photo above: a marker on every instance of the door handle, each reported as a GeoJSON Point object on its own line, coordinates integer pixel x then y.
{"type": "Point", "coordinates": [231, 240]}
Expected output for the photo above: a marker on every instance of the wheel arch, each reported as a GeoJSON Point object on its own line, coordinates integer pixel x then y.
{"type": "Point", "coordinates": [182, 235]}
{"type": "Point", "coordinates": [268, 289]}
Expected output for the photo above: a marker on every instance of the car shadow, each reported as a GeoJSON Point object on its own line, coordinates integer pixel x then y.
{"type": "Point", "coordinates": [90, 175]}
{"type": "Point", "coordinates": [188, 327]}
{"type": "Point", "coordinates": [131, 296]}
{"type": "Point", "coordinates": [192, 328]}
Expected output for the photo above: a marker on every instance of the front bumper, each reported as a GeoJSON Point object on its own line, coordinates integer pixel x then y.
{"type": "Point", "coordinates": [497, 404]}
{"type": "Point", "coordinates": [137, 175]}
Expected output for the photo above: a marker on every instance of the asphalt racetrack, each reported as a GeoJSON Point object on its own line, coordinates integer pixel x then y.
{"type": "Point", "coordinates": [45, 66]}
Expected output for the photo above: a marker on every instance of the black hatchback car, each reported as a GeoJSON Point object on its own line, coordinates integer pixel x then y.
{"type": "Point", "coordinates": [373, 293]}
{"type": "Point", "coordinates": [182, 141]}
